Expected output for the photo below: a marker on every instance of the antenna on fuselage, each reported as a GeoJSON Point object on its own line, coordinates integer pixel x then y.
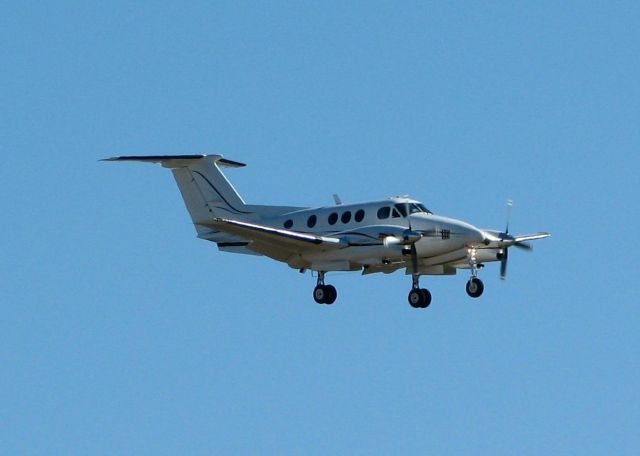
{"type": "Point", "coordinates": [337, 199]}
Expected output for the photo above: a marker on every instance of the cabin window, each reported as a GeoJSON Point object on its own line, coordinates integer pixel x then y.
{"type": "Point", "coordinates": [333, 218]}
{"type": "Point", "coordinates": [359, 215]}
{"type": "Point", "coordinates": [311, 221]}
{"type": "Point", "coordinates": [346, 217]}
{"type": "Point", "coordinates": [383, 212]}
{"type": "Point", "coordinates": [288, 224]}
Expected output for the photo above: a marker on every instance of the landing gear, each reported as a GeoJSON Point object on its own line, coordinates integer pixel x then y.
{"type": "Point", "coordinates": [475, 287]}
{"type": "Point", "coordinates": [324, 294]}
{"type": "Point", "coordinates": [419, 298]}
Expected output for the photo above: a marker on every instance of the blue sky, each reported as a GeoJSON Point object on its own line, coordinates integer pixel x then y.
{"type": "Point", "coordinates": [124, 334]}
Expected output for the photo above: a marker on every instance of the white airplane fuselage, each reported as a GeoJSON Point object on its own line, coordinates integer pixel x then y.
{"type": "Point", "coordinates": [377, 239]}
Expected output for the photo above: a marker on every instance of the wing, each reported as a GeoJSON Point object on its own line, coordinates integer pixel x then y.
{"type": "Point", "coordinates": [290, 241]}
{"type": "Point", "coordinates": [531, 237]}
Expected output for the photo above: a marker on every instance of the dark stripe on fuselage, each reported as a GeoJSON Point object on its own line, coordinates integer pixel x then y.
{"type": "Point", "coordinates": [219, 194]}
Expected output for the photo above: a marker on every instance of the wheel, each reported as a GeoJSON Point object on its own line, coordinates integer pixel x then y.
{"type": "Point", "coordinates": [419, 298]}
{"type": "Point", "coordinates": [427, 297]}
{"type": "Point", "coordinates": [415, 298]}
{"type": "Point", "coordinates": [475, 287]}
{"type": "Point", "coordinates": [320, 294]}
{"type": "Point", "coordinates": [330, 294]}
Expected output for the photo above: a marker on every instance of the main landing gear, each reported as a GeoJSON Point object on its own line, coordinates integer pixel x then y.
{"type": "Point", "coordinates": [324, 294]}
{"type": "Point", "coordinates": [419, 298]}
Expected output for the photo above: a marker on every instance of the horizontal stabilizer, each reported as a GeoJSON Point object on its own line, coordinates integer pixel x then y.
{"type": "Point", "coordinates": [176, 161]}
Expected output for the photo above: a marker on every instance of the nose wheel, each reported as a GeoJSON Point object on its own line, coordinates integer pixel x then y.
{"type": "Point", "coordinates": [475, 287]}
{"type": "Point", "coordinates": [324, 294]}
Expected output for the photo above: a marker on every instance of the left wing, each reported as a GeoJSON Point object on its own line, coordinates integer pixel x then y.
{"type": "Point", "coordinates": [292, 241]}
{"type": "Point", "coordinates": [531, 237]}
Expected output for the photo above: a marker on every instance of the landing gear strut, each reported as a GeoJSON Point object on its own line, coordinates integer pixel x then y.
{"type": "Point", "coordinates": [324, 294]}
{"type": "Point", "coordinates": [419, 298]}
{"type": "Point", "coordinates": [475, 287]}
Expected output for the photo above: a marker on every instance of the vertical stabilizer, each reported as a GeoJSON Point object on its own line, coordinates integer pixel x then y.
{"type": "Point", "coordinates": [206, 192]}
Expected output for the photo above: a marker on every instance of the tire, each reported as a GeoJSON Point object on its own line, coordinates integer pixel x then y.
{"type": "Point", "coordinates": [475, 287]}
{"type": "Point", "coordinates": [320, 294]}
{"type": "Point", "coordinates": [416, 298]}
{"type": "Point", "coordinates": [330, 294]}
{"type": "Point", "coordinates": [426, 296]}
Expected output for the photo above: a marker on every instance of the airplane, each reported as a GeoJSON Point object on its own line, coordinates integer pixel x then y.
{"type": "Point", "coordinates": [373, 237]}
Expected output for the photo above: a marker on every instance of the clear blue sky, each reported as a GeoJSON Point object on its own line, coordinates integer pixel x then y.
{"type": "Point", "coordinates": [121, 333]}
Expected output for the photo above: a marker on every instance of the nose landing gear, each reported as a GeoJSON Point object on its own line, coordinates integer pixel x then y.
{"type": "Point", "coordinates": [324, 294]}
{"type": "Point", "coordinates": [475, 287]}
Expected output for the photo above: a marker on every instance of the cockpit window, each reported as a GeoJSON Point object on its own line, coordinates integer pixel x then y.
{"type": "Point", "coordinates": [395, 213]}
{"type": "Point", "coordinates": [402, 208]}
{"type": "Point", "coordinates": [418, 207]}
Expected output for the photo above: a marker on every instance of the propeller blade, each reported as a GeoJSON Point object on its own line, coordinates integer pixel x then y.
{"type": "Point", "coordinates": [509, 208]}
{"type": "Point", "coordinates": [414, 258]}
{"type": "Point", "coordinates": [524, 246]}
{"type": "Point", "coordinates": [503, 264]}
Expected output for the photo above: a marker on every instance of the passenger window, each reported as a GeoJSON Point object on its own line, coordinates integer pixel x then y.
{"type": "Point", "coordinates": [402, 208]}
{"type": "Point", "coordinates": [311, 221]}
{"type": "Point", "coordinates": [359, 215]}
{"type": "Point", "coordinates": [333, 218]}
{"type": "Point", "coordinates": [288, 224]}
{"type": "Point", "coordinates": [383, 212]}
{"type": "Point", "coordinates": [346, 217]}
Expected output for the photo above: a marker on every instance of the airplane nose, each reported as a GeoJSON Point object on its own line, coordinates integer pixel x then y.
{"type": "Point", "coordinates": [469, 234]}
{"type": "Point", "coordinates": [462, 233]}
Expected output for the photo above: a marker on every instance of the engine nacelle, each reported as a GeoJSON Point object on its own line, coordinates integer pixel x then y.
{"type": "Point", "coordinates": [487, 255]}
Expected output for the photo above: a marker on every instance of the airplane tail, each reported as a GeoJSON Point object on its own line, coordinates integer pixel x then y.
{"type": "Point", "coordinates": [206, 192]}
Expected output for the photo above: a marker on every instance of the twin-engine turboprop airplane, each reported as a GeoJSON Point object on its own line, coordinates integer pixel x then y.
{"type": "Point", "coordinates": [377, 236]}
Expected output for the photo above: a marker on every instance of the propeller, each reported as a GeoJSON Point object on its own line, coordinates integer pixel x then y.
{"type": "Point", "coordinates": [509, 210]}
{"type": "Point", "coordinates": [505, 254]}
{"type": "Point", "coordinates": [510, 241]}
{"type": "Point", "coordinates": [503, 264]}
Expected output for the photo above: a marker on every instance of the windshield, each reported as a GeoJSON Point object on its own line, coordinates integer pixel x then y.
{"type": "Point", "coordinates": [418, 207]}
{"type": "Point", "coordinates": [411, 208]}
